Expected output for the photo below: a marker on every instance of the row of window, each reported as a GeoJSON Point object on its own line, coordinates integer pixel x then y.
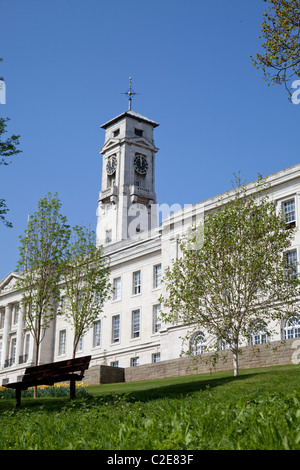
{"type": "Point", "coordinates": [136, 282]}
{"type": "Point", "coordinates": [136, 323]}
{"type": "Point", "coordinates": [12, 357]}
{"type": "Point", "coordinates": [291, 330]}
{"type": "Point", "coordinates": [115, 329]}
{"type": "Point", "coordinates": [288, 210]}
{"type": "Point", "coordinates": [138, 132]}
{"type": "Point", "coordinates": [135, 361]}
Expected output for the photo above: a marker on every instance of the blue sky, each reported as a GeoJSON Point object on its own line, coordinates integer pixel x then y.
{"type": "Point", "coordinates": [66, 63]}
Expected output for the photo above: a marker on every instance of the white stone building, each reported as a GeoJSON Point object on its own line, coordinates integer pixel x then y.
{"type": "Point", "coordinates": [130, 332]}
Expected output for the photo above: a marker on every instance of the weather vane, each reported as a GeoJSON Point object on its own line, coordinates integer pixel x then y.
{"type": "Point", "coordinates": [130, 93]}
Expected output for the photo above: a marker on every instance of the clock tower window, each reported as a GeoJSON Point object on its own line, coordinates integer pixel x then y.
{"type": "Point", "coordinates": [138, 132]}
{"type": "Point", "coordinates": [108, 236]}
{"type": "Point", "coordinates": [111, 180]}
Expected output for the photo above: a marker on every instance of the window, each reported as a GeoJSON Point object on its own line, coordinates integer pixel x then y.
{"type": "Point", "coordinates": [114, 364]}
{"type": "Point", "coordinates": [223, 345]}
{"type": "Point", "coordinates": [62, 304]}
{"type": "Point", "coordinates": [79, 346]}
{"type": "Point", "coordinates": [291, 262]}
{"type": "Point", "coordinates": [156, 318]}
{"type": "Point", "coordinates": [97, 333]}
{"type": "Point", "coordinates": [135, 332]}
{"type": "Point", "coordinates": [258, 335]}
{"type": "Point", "coordinates": [134, 361]}
{"type": "Point", "coordinates": [108, 236]}
{"type": "Point", "coordinates": [13, 350]}
{"type": "Point", "coordinates": [292, 327]}
{"type": "Point", "coordinates": [198, 344]}
{"type": "Point", "coordinates": [117, 289]}
{"type": "Point", "coordinates": [157, 275]}
{"type": "Point", "coordinates": [289, 212]}
{"type": "Point", "coordinates": [15, 314]}
{"type": "Point", "coordinates": [137, 282]}
{"type": "Point", "coordinates": [116, 132]}
{"type": "Point", "coordinates": [115, 328]}
{"type": "Point", "coordinates": [156, 357]}
{"type": "Point", "coordinates": [138, 132]}
{"type": "Point", "coordinates": [62, 342]}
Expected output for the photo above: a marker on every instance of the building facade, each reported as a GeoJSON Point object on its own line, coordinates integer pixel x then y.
{"type": "Point", "coordinates": [130, 332]}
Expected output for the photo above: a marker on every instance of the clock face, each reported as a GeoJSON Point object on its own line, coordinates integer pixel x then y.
{"type": "Point", "coordinates": [111, 165]}
{"type": "Point", "coordinates": [140, 164]}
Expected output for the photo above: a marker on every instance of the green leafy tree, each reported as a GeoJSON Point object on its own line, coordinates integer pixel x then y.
{"type": "Point", "coordinates": [85, 282]}
{"type": "Point", "coordinates": [280, 60]}
{"type": "Point", "coordinates": [41, 253]}
{"type": "Point", "coordinates": [8, 149]}
{"type": "Point", "coordinates": [232, 276]}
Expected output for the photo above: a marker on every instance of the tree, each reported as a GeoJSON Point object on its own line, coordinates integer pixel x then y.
{"type": "Point", "coordinates": [85, 282]}
{"type": "Point", "coordinates": [8, 148]}
{"type": "Point", "coordinates": [237, 278]}
{"type": "Point", "coordinates": [280, 61]}
{"type": "Point", "coordinates": [40, 261]}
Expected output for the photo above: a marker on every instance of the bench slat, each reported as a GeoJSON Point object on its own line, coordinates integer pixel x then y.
{"type": "Point", "coordinates": [54, 372]}
{"type": "Point", "coordinates": [54, 365]}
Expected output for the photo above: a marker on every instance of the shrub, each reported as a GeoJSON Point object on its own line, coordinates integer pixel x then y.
{"type": "Point", "coordinates": [56, 390]}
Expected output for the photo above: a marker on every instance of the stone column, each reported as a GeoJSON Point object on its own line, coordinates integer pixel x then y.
{"type": "Point", "coordinates": [6, 329]}
{"type": "Point", "coordinates": [19, 345]}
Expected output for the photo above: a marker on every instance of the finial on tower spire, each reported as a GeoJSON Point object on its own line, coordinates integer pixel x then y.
{"type": "Point", "coordinates": [130, 93]}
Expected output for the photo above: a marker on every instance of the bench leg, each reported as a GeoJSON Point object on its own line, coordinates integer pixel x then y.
{"type": "Point", "coordinates": [72, 388]}
{"type": "Point", "coordinates": [18, 397]}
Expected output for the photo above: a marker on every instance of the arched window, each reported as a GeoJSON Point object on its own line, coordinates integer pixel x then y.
{"type": "Point", "coordinates": [291, 327]}
{"type": "Point", "coordinates": [198, 343]}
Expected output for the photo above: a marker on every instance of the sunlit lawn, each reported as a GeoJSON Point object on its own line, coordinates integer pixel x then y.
{"type": "Point", "coordinates": [260, 409]}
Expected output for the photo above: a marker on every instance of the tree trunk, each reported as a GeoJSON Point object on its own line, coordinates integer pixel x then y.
{"type": "Point", "coordinates": [235, 362]}
{"type": "Point", "coordinates": [75, 342]}
{"type": "Point", "coordinates": [36, 361]}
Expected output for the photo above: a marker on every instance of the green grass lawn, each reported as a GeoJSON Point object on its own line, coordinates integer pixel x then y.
{"type": "Point", "coordinates": [260, 409]}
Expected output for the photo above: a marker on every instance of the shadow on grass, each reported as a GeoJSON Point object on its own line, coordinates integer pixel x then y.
{"type": "Point", "coordinates": [276, 379]}
{"type": "Point", "coordinates": [172, 391]}
{"type": "Point", "coordinates": [160, 389]}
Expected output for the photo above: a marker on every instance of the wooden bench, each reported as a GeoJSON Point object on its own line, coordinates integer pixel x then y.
{"type": "Point", "coordinates": [48, 374]}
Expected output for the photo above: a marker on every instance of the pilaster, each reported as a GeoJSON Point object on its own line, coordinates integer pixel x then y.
{"type": "Point", "coordinates": [6, 330]}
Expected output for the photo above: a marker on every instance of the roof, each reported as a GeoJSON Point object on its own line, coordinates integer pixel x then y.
{"type": "Point", "coordinates": [131, 114]}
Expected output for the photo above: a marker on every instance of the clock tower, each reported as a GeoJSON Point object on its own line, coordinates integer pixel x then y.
{"type": "Point", "coordinates": [127, 200]}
